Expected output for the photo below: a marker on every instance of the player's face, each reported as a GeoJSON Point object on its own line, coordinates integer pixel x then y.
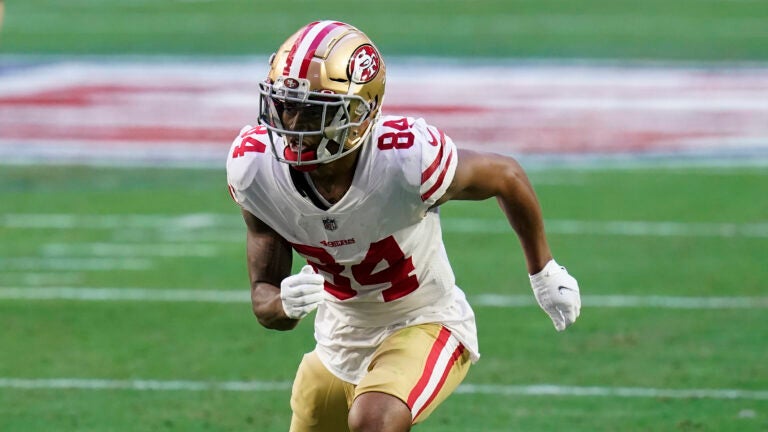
{"type": "Point", "coordinates": [300, 117]}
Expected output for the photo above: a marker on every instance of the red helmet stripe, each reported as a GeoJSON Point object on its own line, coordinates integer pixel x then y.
{"type": "Point", "coordinates": [313, 47]}
{"type": "Point", "coordinates": [300, 56]}
{"type": "Point", "coordinates": [292, 53]}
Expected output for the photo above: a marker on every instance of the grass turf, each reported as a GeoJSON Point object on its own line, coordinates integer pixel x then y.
{"type": "Point", "coordinates": [600, 29]}
{"type": "Point", "coordinates": [627, 347]}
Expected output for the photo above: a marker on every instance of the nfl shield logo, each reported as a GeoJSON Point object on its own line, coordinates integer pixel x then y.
{"type": "Point", "coordinates": [330, 224]}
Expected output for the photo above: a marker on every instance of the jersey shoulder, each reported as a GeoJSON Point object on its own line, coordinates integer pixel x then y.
{"type": "Point", "coordinates": [426, 156]}
{"type": "Point", "coordinates": [248, 155]}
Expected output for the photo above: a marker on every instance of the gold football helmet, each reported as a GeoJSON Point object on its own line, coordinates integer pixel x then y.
{"type": "Point", "coordinates": [330, 73]}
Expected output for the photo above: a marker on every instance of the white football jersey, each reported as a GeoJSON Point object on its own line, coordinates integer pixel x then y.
{"type": "Point", "coordinates": [379, 247]}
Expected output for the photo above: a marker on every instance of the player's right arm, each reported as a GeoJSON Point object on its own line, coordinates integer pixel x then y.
{"type": "Point", "coordinates": [279, 299]}
{"type": "Point", "coordinates": [269, 259]}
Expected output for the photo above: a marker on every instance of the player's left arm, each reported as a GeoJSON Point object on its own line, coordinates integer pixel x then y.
{"type": "Point", "coordinates": [480, 176]}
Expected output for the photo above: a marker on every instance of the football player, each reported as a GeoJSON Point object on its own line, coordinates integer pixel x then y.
{"type": "Point", "coordinates": [356, 193]}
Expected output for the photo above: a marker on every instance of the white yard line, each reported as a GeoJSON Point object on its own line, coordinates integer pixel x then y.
{"type": "Point", "coordinates": [480, 300]}
{"type": "Point", "coordinates": [471, 389]}
{"type": "Point", "coordinates": [142, 385]}
{"type": "Point", "coordinates": [617, 228]}
{"type": "Point", "coordinates": [193, 223]}
{"type": "Point", "coordinates": [126, 221]}
{"type": "Point", "coordinates": [125, 294]}
{"type": "Point", "coordinates": [43, 279]}
{"type": "Point", "coordinates": [626, 392]}
{"type": "Point", "coordinates": [129, 250]}
{"type": "Point", "coordinates": [73, 264]}
{"type": "Point", "coordinates": [629, 301]}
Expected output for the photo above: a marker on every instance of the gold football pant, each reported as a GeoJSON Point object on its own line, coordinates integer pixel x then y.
{"type": "Point", "coordinates": [420, 365]}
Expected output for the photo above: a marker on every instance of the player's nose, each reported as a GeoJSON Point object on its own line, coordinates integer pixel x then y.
{"type": "Point", "coordinates": [296, 121]}
{"type": "Point", "coordinates": [291, 120]}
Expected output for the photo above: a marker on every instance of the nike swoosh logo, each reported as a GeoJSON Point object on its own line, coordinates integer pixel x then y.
{"type": "Point", "coordinates": [433, 139]}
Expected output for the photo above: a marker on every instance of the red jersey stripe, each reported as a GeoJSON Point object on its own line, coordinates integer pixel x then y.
{"type": "Point", "coordinates": [434, 353]}
{"type": "Point", "coordinates": [425, 196]}
{"type": "Point", "coordinates": [434, 165]}
{"type": "Point", "coordinates": [232, 193]}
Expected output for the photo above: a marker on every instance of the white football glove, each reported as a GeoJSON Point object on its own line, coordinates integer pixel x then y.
{"type": "Point", "coordinates": [302, 292]}
{"type": "Point", "coordinates": [557, 293]}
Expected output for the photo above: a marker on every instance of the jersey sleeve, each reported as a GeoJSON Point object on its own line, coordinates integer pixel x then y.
{"type": "Point", "coordinates": [438, 161]}
{"type": "Point", "coordinates": [245, 153]}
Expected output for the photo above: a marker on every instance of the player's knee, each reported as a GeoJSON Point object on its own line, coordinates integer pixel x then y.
{"type": "Point", "coordinates": [372, 421]}
{"type": "Point", "coordinates": [379, 412]}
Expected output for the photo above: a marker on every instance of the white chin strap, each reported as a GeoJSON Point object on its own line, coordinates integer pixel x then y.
{"type": "Point", "coordinates": [332, 133]}
{"type": "Point", "coordinates": [322, 150]}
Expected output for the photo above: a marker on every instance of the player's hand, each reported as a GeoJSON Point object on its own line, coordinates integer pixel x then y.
{"type": "Point", "coordinates": [301, 293]}
{"type": "Point", "coordinates": [557, 293]}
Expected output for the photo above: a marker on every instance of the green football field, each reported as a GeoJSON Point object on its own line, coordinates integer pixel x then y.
{"type": "Point", "coordinates": [606, 29]}
{"type": "Point", "coordinates": [123, 275]}
{"type": "Point", "coordinates": [124, 296]}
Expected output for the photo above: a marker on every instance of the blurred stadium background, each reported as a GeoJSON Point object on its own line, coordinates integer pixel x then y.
{"type": "Point", "coordinates": [643, 124]}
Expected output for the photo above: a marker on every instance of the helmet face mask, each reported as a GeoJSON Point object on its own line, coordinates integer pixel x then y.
{"type": "Point", "coordinates": [325, 118]}
{"type": "Point", "coordinates": [322, 95]}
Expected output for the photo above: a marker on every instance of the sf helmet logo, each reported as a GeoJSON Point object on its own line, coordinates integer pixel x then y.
{"type": "Point", "coordinates": [364, 64]}
{"type": "Point", "coordinates": [291, 83]}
